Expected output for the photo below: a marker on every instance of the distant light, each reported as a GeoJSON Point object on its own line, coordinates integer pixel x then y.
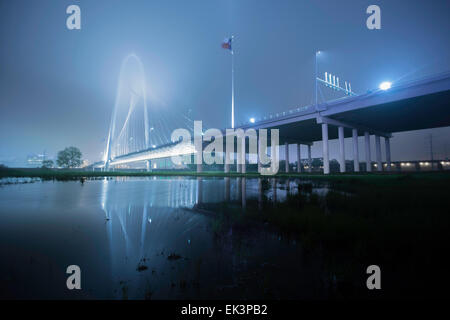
{"type": "Point", "coordinates": [252, 120]}
{"type": "Point", "coordinates": [318, 52]}
{"type": "Point", "coordinates": [385, 85]}
{"type": "Point", "coordinates": [153, 146]}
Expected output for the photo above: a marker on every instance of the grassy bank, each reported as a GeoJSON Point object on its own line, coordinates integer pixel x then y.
{"type": "Point", "coordinates": [69, 174]}
{"type": "Point", "coordinates": [400, 223]}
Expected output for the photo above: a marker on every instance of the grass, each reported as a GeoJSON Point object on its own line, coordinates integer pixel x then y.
{"type": "Point", "coordinates": [399, 222]}
{"type": "Point", "coordinates": [75, 174]}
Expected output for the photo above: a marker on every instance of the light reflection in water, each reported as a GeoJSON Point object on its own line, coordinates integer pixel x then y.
{"type": "Point", "coordinates": [140, 237]}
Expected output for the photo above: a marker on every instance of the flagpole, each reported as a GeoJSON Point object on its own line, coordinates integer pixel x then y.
{"type": "Point", "coordinates": [232, 84]}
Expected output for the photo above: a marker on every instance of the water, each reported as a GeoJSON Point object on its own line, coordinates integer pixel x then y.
{"type": "Point", "coordinates": [142, 238]}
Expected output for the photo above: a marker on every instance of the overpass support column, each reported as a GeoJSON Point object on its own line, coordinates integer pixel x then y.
{"type": "Point", "coordinates": [299, 163]}
{"type": "Point", "coordinates": [326, 160]}
{"type": "Point", "coordinates": [258, 155]}
{"type": "Point", "coordinates": [238, 166]}
{"type": "Point", "coordinates": [368, 160]}
{"type": "Point", "coordinates": [378, 153]}
{"type": "Point", "coordinates": [199, 168]}
{"type": "Point", "coordinates": [355, 150]}
{"type": "Point", "coordinates": [309, 158]}
{"type": "Point", "coordinates": [286, 156]}
{"type": "Point", "coordinates": [388, 154]}
{"type": "Point", "coordinates": [149, 165]}
{"type": "Point", "coordinates": [226, 165]}
{"type": "Point", "coordinates": [341, 149]}
{"type": "Point", "coordinates": [243, 168]}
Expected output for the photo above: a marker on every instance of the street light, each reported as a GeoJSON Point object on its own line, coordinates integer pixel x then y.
{"type": "Point", "coordinates": [252, 120]}
{"type": "Point", "coordinates": [315, 82]}
{"type": "Point", "coordinates": [386, 85]}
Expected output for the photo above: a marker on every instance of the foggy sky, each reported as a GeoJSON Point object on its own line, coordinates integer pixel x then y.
{"type": "Point", "coordinates": [57, 86]}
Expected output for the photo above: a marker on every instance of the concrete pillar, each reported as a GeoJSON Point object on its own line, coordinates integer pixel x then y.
{"type": "Point", "coordinates": [149, 165]}
{"type": "Point", "coordinates": [286, 156]}
{"type": "Point", "coordinates": [238, 166]}
{"type": "Point", "coordinates": [258, 155]}
{"type": "Point", "coordinates": [326, 160]}
{"type": "Point", "coordinates": [309, 158]}
{"type": "Point", "coordinates": [226, 166]}
{"type": "Point", "coordinates": [378, 153]}
{"type": "Point", "coordinates": [388, 154]}
{"type": "Point", "coordinates": [368, 160]}
{"type": "Point", "coordinates": [341, 149]}
{"type": "Point", "coordinates": [259, 164]}
{"type": "Point", "coordinates": [299, 162]}
{"type": "Point", "coordinates": [244, 167]}
{"type": "Point", "coordinates": [355, 150]}
{"type": "Point", "coordinates": [199, 167]}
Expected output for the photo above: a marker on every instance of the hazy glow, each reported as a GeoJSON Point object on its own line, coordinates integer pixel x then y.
{"type": "Point", "coordinates": [252, 120]}
{"type": "Point", "coordinates": [386, 85]}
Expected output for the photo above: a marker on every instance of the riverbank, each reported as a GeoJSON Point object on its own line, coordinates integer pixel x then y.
{"type": "Point", "coordinates": [76, 174]}
{"type": "Point", "coordinates": [399, 223]}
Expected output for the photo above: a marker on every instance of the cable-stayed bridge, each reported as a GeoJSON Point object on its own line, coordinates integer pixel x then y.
{"type": "Point", "coordinates": [136, 135]}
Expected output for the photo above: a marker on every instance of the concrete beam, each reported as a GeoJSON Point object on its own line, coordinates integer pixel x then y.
{"type": "Point", "coordinates": [337, 123]}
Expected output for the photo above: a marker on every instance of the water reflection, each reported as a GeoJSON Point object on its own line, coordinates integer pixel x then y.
{"type": "Point", "coordinates": [140, 238]}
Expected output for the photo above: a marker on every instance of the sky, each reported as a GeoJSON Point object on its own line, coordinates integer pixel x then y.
{"type": "Point", "coordinates": [58, 86]}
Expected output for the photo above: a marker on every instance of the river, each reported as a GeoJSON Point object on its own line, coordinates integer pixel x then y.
{"type": "Point", "coordinates": [144, 238]}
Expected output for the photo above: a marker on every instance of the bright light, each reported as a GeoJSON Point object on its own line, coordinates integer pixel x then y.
{"type": "Point", "coordinates": [252, 120]}
{"type": "Point", "coordinates": [318, 52]}
{"type": "Point", "coordinates": [153, 146]}
{"type": "Point", "coordinates": [385, 85]}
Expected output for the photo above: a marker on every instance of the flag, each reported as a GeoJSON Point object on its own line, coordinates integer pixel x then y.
{"type": "Point", "coordinates": [226, 44]}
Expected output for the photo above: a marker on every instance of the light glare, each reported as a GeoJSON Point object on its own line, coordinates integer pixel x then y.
{"type": "Point", "coordinates": [385, 85]}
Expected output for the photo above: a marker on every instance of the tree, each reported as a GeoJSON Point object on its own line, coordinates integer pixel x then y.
{"type": "Point", "coordinates": [69, 157]}
{"type": "Point", "coordinates": [316, 163]}
{"type": "Point", "coordinates": [47, 164]}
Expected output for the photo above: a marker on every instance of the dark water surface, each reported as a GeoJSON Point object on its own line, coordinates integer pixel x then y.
{"type": "Point", "coordinates": [143, 238]}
